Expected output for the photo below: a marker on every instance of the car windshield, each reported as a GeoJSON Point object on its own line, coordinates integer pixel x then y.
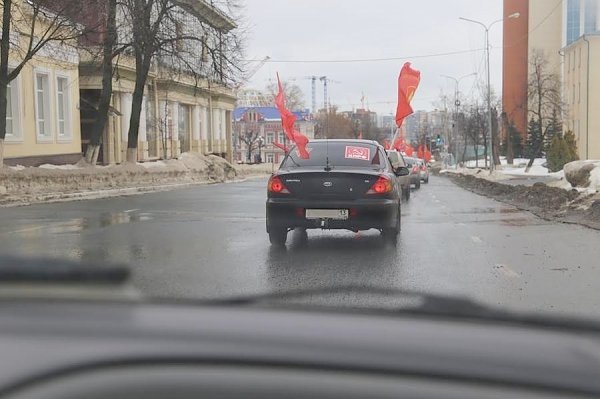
{"type": "Point", "coordinates": [240, 149]}
{"type": "Point", "coordinates": [337, 154]}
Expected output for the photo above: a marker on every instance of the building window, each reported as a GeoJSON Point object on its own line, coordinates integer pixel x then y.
{"type": "Point", "coordinates": [269, 138]}
{"type": "Point", "coordinates": [270, 158]}
{"type": "Point", "coordinates": [281, 138]}
{"type": "Point", "coordinates": [63, 107]}
{"type": "Point", "coordinates": [13, 120]}
{"type": "Point", "coordinates": [42, 106]}
{"type": "Point", "coordinates": [573, 20]}
{"type": "Point", "coordinates": [591, 9]}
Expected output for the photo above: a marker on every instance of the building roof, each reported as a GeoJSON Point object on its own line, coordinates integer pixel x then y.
{"type": "Point", "coordinates": [269, 114]}
{"type": "Point", "coordinates": [208, 13]}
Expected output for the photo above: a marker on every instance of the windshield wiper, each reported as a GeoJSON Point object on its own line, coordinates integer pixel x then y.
{"type": "Point", "coordinates": [43, 270]}
{"type": "Point", "coordinates": [426, 304]}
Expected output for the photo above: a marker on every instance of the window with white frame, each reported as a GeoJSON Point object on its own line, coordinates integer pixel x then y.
{"type": "Point", "coordinates": [281, 138]}
{"type": "Point", "coordinates": [42, 106]}
{"type": "Point", "coordinates": [13, 120]}
{"type": "Point", "coordinates": [63, 104]}
{"type": "Point", "coordinates": [269, 137]}
{"type": "Point", "coordinates": [269, 158]}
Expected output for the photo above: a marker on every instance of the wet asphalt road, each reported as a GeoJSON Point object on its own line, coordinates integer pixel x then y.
{"type": "Point", "coordinates": [210, 241]}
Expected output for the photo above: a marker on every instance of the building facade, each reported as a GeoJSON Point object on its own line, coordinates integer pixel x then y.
{"type": "Point", "coordinates": [567, 34]}
{"type": "Point", "coordinates": [256, 129]}
{"type": "Point", "coordinates": [42, 111]}
{"type": "Point", "coordinates": [181, 111]}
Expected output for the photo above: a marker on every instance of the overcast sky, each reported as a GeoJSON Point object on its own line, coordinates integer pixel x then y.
{"type": "Point", "coordinates": [322, 30]}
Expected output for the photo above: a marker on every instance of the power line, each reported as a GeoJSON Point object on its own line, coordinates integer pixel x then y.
{"type": "Point", "coordinates": [373, 59]}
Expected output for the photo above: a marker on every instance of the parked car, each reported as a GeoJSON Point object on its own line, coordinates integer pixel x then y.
{"type": "Point", "coordinates": [344, 184]}
{"type": "Point", "coordinates": [397, 160]}
{"type": "Point", "coordinates": [415, 172]}
{"type": "Point", "coordinates": [424, 171]}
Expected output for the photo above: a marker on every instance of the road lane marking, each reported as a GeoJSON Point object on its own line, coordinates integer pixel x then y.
{"type": "Point", "coordinates": [130, 210]}
{"type": "Point", "coordinates": [476, 239]}
{"type": "Point", "coordinates": [507, 271]}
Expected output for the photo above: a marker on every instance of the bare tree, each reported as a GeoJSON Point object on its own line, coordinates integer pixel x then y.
{"type": "Point", "coordinates": [164, 33]}
{"type": "Point", "coordinates": [334, 126]}
{"type": "Point", "coordinates": [294, 98]}
{"type": "Point", "coordinates": [27, 28]}
{"type": "Point", "coordinates": [109, 52]}
{"type": "Point", "coordinates": [544, 95]}
{"type": "Point", "coordinates": [250, 139]}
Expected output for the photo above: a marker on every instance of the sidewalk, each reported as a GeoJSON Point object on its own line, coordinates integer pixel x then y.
{"type": "Point", "coordinates": [50, 183]}
{"type": "Point", "coordinates": [547, 195]}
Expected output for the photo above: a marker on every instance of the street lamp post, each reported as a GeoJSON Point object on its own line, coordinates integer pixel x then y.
{"type": "Point", "coordinates": [456, 105]}
{"type": "Point", "coordinates": [489, 87]}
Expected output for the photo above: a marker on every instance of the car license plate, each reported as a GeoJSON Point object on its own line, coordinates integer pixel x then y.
{"type": "Point", "coordinates": [337, 214]}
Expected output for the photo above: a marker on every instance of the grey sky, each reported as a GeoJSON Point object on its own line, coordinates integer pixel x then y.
{"type": "Point", "coordinates": [351, 29]}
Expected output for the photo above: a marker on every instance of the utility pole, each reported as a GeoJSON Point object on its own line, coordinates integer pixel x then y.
{"type": "Point", "coordinates": [489, 87]}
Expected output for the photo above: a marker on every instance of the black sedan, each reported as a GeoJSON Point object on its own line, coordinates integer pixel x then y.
{"type": "Point", "coordinates": [344, 184]}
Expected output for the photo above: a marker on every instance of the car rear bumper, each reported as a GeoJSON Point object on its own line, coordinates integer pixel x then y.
{"type": "Point", "coordinates": [364, 214]}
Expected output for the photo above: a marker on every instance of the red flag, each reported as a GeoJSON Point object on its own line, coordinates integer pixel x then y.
{"type": "Point", "coordinates": [287, 120]}
{"type": "Point", "coordinates": [409, 150]}
{"type": "Point", "coordinates": [408, 81]}
{"type": "Point", "coordinates": [399, 144]}
{"type": "Point", "coordinates": [427, 155]}
{"type": "Point", "coordinates": [386, 144]}
{"type": "Point", "coordinates": [420, 153]}
{"type": "Point", "coordinates": [282, 146]}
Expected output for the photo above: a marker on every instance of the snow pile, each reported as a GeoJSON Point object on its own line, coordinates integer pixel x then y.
{"type": "Point", "coordinates": [62, 167]}
{"type": "Point", "coordinates": [31, 184]}
{"type": "Point", "coordinates": [584, 174]}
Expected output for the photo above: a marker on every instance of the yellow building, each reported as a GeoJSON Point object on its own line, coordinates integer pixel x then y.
{"type": "Point", "coordinates": [179, 113]}
{"type": "Point", "coordinates": [43, 104]}
{"type": "Point", "coordinates": [566, 33]}
{"type": "Point", "coordinates": [582, 93]}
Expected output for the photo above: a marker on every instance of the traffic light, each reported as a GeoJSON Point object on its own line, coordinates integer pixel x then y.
{"type": "Point", "coordinates": [438, 140]}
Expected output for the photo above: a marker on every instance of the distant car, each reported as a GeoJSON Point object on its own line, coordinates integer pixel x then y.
{"type": "Point", "coordinates": [397, 160]}
{"type": "Point", "coordinates": [424, 171]}
{"type": "Point", "coordinates": [344, 184]}
{"type": "Point", "coordinates": [415, 171]}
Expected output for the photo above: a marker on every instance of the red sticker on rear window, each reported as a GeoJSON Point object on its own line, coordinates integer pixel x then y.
{"type": "Point", "coordinates": [362, 153]}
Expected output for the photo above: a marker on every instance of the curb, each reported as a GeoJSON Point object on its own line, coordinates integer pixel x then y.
{"type": "Point", "coordinates": [116, 192]}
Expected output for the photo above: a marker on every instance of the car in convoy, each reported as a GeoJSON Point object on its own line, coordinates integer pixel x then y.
{"type": "Point", "coordinates": [415, 171]}
{"type": "Point", "coordinates": [424, 171]}
{"type": "Point", "coordinates": [344, 184]}
{"type": "Point", "coordinates": [397, 160]}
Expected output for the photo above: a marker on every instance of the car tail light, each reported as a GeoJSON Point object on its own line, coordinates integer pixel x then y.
{"type": "Point", "coordinates": [276, 186]}
{"type": "Point", "coordinates": [381, 186]}
{"type": "Point", "coordinates": [415, 168]}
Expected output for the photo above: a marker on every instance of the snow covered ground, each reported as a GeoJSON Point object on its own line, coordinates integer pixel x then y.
{"type": "Point", "coordinates": [516, 171]}
{"type": "Point", "coordinates": [19, 184]}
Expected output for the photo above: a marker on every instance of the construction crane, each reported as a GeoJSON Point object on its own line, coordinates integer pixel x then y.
{"type": "Point", "coordinates": [325, 80]}
{"type": "Point", "coordinates": [251, 98]}
{"type": "Point", "coordinates": [252, 72]}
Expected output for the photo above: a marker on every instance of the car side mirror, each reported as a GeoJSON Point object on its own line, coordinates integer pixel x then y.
{"type": "Point", "coordinates": [401, 171]}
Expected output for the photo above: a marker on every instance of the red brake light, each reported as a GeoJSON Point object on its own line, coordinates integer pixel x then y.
{"type": "Point", "coordinates": [275, 185]}
{"type": "Point", "coordinates": [382, 185]}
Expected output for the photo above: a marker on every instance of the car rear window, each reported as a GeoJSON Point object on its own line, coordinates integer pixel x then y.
{"type": "Point", "coordinates": [340, 154]}
{"type": "Point", "coordinates": [396, 158]}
